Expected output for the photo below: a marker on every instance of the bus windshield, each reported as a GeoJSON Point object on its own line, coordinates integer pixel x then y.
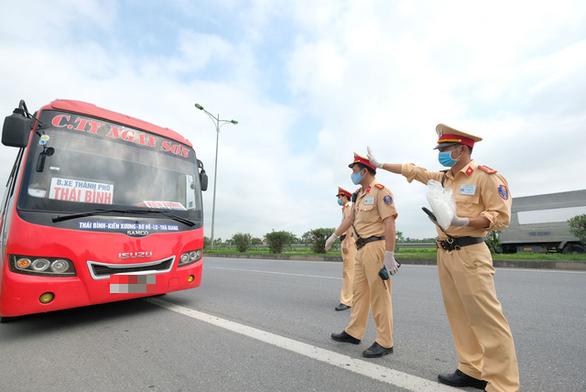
{"type": "Point", "coordinates": [77, 163]}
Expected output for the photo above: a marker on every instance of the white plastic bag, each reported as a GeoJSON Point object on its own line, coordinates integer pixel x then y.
{"type": "Point", "coordinates": [442, 202]}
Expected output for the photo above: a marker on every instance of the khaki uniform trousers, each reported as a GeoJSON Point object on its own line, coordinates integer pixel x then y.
{"type": "Point", "coordinates": [349, 260]}
{"type": "Point", "coordinates": [371, 290]}
{"type": "Point", "coordinates": [481, 333]}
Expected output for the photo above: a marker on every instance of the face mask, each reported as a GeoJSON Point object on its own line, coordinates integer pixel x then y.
{"type": "Point", "coordinates": [356, 178]}
{"type": "Point", "coordinates": [340, 202]}
{"type": "Point", "coordinates": [445, 158]}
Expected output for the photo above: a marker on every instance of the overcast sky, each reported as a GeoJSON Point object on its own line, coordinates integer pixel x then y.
{"type": "Point", "coordinates": [310, 81]}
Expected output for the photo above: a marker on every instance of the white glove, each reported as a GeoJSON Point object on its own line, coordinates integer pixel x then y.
{"type": "Point", "coordinates": [372, 159]}
{"type": "Point", "coordinates": [390, 263]}
{"type": "Point", "coordinates": [460, 222]}
{"type": "Point", "coordinates": [330, 241]}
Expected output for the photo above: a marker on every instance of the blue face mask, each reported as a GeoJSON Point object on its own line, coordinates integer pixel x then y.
{"type": "Point", "coordinates": [340, 202]}
{"type": "Point", "coordinates": [356, 178]}
{"type": "Point", "coordinates": [445, 158]}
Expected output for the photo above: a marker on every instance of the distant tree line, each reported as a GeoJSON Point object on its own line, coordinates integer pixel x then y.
{"type": "Point", "coordinates": [277, 241]}
{"type": "Point", "coordinates": [578, 227]}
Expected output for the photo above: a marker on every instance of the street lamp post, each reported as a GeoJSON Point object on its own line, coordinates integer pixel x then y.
{"type": "Point", "coordinates": [218, 124]}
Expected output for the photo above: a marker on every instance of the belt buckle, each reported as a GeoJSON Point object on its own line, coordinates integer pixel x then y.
{"type": "Point", "coordinates": [449, 245]}
{"type": "Point", "coordinates": [452, 245]}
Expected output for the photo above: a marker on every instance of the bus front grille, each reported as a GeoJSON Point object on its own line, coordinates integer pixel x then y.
{"type": "Point", "coordinates": [100, 270]}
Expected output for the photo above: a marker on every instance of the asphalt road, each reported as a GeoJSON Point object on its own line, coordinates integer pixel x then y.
{"type": "Point", "coordinates": [265, 325]}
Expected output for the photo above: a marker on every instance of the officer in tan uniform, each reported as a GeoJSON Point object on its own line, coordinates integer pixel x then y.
{"type": "Point", "coordinates": [373, 220]}
{"type": "Point", "coordinates": [348, 251]}
{"type": "Point", "coordinates": [481, 333]}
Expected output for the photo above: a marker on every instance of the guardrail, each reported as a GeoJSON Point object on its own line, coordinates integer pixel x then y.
{"type": "Point", "coordinates": [308, 246]}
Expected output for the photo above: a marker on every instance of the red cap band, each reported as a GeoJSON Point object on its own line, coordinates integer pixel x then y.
{"type": "Point", "coordinates": [344, 192]}
{"type": "Point", "coordinates": [359, 159]}
{"type": "Point", "coordinates": [456, 139]}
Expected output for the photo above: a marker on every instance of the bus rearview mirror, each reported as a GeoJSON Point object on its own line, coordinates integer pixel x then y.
{"type": "Point", "coordinates": [17, 129]}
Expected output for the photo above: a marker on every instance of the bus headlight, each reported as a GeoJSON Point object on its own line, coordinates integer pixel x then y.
{"type": "Point", "coordinates": [23, 263]}
{"type": "Point", "coordinates": [190, 257]}
{"type": "Point", "coordinates": [60, 266]}
{"type": "Point", "coordinates": [44, 266]}
{"type": "Point", "coordinates": [40, 265]}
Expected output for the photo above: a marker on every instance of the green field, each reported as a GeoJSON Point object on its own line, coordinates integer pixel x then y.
{"type": "Point", "coordinates": [404, 252]}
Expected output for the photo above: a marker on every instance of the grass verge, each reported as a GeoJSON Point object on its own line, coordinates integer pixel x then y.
{"type": "Point", "coordinates": [407, 252]}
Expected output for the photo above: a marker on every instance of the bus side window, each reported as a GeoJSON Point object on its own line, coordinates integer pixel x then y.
{"type": "Point", "coordinates": [10, 184]}
{"type": "Point", "coordinates": [185, 191]}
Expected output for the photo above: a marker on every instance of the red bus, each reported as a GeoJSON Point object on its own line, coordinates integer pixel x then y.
{"type": "Point", "coordinates": [99, 207]}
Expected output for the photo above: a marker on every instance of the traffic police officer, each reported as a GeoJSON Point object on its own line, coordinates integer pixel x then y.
{"type": "Point", "coordinates": [348, 251]}
{"type": "Point", "coordinates": [373, 220]}
{"type": "Point", "coordinates": [481, 333]}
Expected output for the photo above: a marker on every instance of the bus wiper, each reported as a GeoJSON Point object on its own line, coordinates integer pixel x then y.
{"type": "Point", "coordinates": [103, 211]}
{"type": "Point", "coordinates": [169, 214]}
{"type": "Point", "coordinates": [61, 218]}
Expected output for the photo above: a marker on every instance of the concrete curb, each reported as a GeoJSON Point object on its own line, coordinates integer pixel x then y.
{"type": "Point", "coordinates": [535, 264]}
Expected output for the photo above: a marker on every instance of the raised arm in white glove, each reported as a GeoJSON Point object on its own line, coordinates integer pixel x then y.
{"type": "Point", "coordinates": [372, 159]}
{"type": "Point", "coordinates": [330, 241]}
{"type": "Point", "coordinates": [390, 263]}
{"type": "Point", "coordinates": [460, 222]}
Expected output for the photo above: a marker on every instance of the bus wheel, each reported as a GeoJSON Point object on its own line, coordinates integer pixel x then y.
{"type": "Point", "coordinates": [573, 249]}
{"type": "Point", "coordinates": [4, 320]}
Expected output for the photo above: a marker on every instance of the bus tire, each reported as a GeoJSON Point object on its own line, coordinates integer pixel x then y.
{"type": "Point", "coordinates": [573, 249]}
{"type": "Point", "coordinates": [4, 320]}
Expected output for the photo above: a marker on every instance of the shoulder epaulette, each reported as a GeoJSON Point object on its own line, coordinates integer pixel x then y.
{"type": "Point", "coordinates": [486, 169]}
{"type": "Point", "coordinates": [379, 186]}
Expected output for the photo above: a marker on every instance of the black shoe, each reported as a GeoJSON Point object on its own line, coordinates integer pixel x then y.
{"type": "Point", "coordinates": [345, 338]}
{"type": "Point", "coordinates": [376, 350]}
{"type": "Point", "coordinates": [459, 379]}
{"type": "Point", "coordinates": [342, 307]}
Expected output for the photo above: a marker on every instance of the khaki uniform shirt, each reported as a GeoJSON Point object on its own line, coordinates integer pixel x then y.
{"type": "Point", "coordinates": [347, 212]}
{"type": "Point", "coordinates": [372, 207]}
{"type": "Point", "coordinates": [478, 190]}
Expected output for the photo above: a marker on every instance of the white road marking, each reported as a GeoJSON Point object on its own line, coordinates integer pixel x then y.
{"type": "Point", "coordinates": [376, 372]}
